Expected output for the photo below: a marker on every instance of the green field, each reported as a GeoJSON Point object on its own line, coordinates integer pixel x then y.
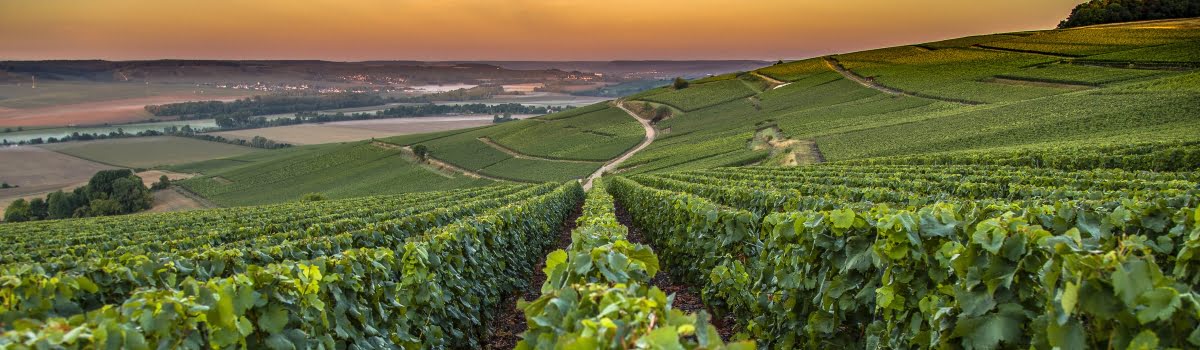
{"type": "Point", "coordinates": [335, 170]}
{"type": "Point", "coordinates": [148, 152]}
{"type": "Point", "coordinates": [555, 147]}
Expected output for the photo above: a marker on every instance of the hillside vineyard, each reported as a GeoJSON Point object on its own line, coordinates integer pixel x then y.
{"type": "Point", "coordinates": [1033, 190]}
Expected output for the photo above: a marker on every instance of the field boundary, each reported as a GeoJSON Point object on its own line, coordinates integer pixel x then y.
{"type": "Point", "coordinates": [441, 164]}
{"type": "Point", "coordinates": [1031, 52]}
{"type": "Point", "coordinates": [516, 154]}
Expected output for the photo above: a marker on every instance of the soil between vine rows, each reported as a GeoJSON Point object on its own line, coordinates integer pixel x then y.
{"type": "Point", "coordinates": [504, 331]}
{"type": "Point", "coordinates": [686, 298]}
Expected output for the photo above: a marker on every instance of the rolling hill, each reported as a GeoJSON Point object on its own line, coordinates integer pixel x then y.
{"type": "Point", "coordinates": [1007, 191]}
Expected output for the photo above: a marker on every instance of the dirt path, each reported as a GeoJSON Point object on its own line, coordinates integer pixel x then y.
{"type": "Point", "coordinates": [612, 164]}
{"type": "Point", "coordinates": [515, 154]}
{"type": "Point", "coordinates": [686, 299]}
{"type": "Point", "coordinates": [868, 82]}
{"type": "Point", "coordinates": [505, 329]}
{"type": "Point", "coordinates": [437, 163]}
{"type": "Point", "coordinates": [775, 83]}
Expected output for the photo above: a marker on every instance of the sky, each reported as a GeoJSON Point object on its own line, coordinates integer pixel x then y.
{"type": "Point", "coordinates": [540, 30]}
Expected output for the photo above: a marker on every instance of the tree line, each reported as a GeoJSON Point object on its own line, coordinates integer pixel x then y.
{"type": "Point", "coordinates": [108, 192]}
{"type": "Point", "coordinates": [394, 112]}
{"type": "Point", "coordinates": [1117, 11]}
{"type": "Point", "coordinates": [265, 105]}
{"type": "Point", "coordinates": [185, 131]}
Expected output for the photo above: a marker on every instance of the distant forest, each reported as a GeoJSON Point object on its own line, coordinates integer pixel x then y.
{"type": "Point", "coordinates": [1116, 11]}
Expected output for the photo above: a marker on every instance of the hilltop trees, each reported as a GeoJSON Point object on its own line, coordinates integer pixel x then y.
{"type": "Point", "coordinates": [1116, 11]}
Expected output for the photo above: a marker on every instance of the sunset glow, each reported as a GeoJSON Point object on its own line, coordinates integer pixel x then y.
{"type": "Point", "coordinates": [495, 30]}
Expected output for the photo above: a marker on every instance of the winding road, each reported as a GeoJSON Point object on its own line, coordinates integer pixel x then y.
{"type": "Point", "coordinates": [612, 164]}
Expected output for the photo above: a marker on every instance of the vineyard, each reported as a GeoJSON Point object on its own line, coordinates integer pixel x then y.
{"type": "Point", "coordinates": [1032, 190]}
{"type": "Point", "coordinates": [903, 256]}
{"type": "Point", "coordinates": [978, 251]}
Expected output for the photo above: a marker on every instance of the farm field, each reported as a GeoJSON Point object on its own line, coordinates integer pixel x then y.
{"type": "Point", "coordinates": [148, 152]}
{"type": "Point", "coordinates": [333, 170]}
{"type": "Point", "coordinates": [72, 103]}
{"type": "Point", "coordinates": [307, 134]}
{"type": "Point", "coordinates": [556, 147]}
{"type": "Point", "coordinates": [36, 172]}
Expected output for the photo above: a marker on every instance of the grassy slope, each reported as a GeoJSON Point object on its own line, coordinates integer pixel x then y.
{"type": "Point", "coordinates": [592, 134]}
{"type": "Point", "coordinates": [336, 170]}
{"type": "Point", "coordinates": [1029, 99]}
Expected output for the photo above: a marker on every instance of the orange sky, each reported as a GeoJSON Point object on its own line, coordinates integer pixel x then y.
{"type": "Point", "coordinates": [350, 30]}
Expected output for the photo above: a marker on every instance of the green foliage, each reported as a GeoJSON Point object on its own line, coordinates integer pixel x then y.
{"type": "Point", "coordinates": [1081, 75]}
{"type": "Point", "coordinates": [163, 183]}
{"type": "Point", "coordinates": [313, 197]}
{"type": "Point", "coordinates": [703, 95]}
{"type": "Point", "coordinates": [421, 151]}
{"type": "Point", "coordinates": [387, 292]}
{"type": "Point", "coordinates": [336, 170]}
{"type": "Point", "coordinates": [1114, 11]}
{"type": "Point", "coordinates": [862, 257]}
{"type": "Point", "coordinates": [679, 83]}
{"type": "Point", "coordinates": [596, 294]}
{"type": "Point", "coordinates": [1164, 156]}
{"type": "Point", "coordinates": [599, 135]}
{"type": "Point", "coordinates": [17, 211]}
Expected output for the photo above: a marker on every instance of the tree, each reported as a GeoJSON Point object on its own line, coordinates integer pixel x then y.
{"type": "Point", "coordinates": [421, 151]}
{"type": "Point", "coordinates": [779, 63]}
{"type": "Point", "coordinates": [6, 185]}
{"type": "Point", "coordinates": [17, 211]}
{"type": "Point", "coordinates": [103, 207]}
{"type": "Point", "coordinates": [61, 205]}
{"type": "Point", "coordinates": [663, 112]}
{"type": "Point", "coordinates": [680, 83]}
{"type": "Point", "coordinates": [38, 209]}
{"type": "Point", "coordinates": [102, 181]}
{"type": "Point", "coordinates": [162, 184]}
{"type": "Point", "coordinates": [130, 194]}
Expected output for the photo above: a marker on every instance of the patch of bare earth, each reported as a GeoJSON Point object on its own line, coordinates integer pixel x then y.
{"type": "Point", "coordinates": [504, 330]}
{"type": "Point", "coordinates": [92, 113]}
{"type": "Point", "coordinates": [686, 297]}
{"type": "Point", "coordinates": [176, 199]}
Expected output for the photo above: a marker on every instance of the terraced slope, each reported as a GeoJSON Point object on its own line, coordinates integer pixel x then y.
{"type": "Point", "coordinates": [1087, 86]}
